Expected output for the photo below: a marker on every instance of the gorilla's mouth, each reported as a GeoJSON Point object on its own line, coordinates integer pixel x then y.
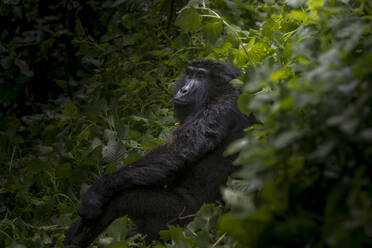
{"type": "Point", "coordinates": [179, 102]}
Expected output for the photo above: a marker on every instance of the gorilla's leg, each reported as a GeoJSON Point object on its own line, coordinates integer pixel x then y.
{"type": "Point", "coordinates": [151, 210]}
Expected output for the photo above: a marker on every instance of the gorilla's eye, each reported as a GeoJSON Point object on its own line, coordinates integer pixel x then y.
{"type": "Point", "coordinates": [184, 90]}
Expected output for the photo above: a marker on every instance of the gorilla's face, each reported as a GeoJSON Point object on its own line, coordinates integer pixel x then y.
{"type": "Point", "coordinates": [202, 82]}
{"type": "Point", "coordinates": [192, 92]}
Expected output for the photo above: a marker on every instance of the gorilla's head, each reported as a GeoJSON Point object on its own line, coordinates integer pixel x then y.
{"type": "Point", "coordinates": [201, 83]}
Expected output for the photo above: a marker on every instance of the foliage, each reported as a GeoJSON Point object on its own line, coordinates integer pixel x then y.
{"type": "Point", "coordinates": [86, 89]}
{"type": "Point", "coordinates": [118, 109]}
{"type": "Point", "coordinates": [310, 158]}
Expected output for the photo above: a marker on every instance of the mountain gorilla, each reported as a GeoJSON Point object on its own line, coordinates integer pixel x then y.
{"type": "Point", "coordinates": [173, 180]}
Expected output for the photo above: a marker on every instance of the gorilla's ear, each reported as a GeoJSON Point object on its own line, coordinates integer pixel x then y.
{"type": "Point", "coordinates": [235, 72]}
{"type": "Point", "coordinates": [228, 72]}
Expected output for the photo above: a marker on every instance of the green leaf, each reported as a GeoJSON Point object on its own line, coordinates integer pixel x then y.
{"type": "Point", "coordinates": [315, 4]}
{"type": "Point", "coordinates": [285, 138]}
{"type": "Point", "coordinates": [176, 234]}
{"type": "Point", "coordinates": [363, 68]}
{"type": "Point", "coordinates": [280, 74]}
{"type": "Point", "coordinates": [64, 170]}
{"type": "Point", "coordinates": [212, 31]}
{"type": "Point", "coordinates": [24, 68]}
{"type": "Point", "coordinates": [71, 110]}
{"type": "Point", "coordinates": [256, 51]}
{"type": "Point", "coordinates": [239, 57]}
{"type": "Point", "coordinates": [189, 20]}
{"type": "Point", "coordinates": [83, 135]}
{"type": "Point", "coordinates": [116, 245]}
{"type": "Point", "coordinates": [118, 230]}
{"type": "Point", "coordinates": [238, 228]}
{"type": "Point", "coordinates": [286, 104]}
{"type": "Point", "coordinates": [235, 147]}
{"type": "Point", "coordinates": [206, 218]}
{"type": "Point", "coordinates": [237, 84]}
{"type": "Point", "coordinates": [243, 102]}
{"type": "Point", "coordinates": [297, 15]}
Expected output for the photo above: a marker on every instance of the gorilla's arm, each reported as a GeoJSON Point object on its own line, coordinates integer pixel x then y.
{"type": "Point", "coordinates": [200, 134]}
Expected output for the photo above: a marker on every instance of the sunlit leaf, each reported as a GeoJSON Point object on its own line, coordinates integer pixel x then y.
{"type": "Point", "coordinates": [314, 4]}
{"type": "Point", "coordinates": [189, 20]}
{"type": "Point", "coordinates": [297, 15]}
{"type": "Point", "coordinates": [280, 74]}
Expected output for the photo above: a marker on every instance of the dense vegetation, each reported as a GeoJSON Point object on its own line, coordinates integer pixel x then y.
{"type": "Point", "coordinates": [86, 86]}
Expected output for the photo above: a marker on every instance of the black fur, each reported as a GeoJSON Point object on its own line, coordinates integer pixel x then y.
{"type": "Point", "coordinates": [175, 179]}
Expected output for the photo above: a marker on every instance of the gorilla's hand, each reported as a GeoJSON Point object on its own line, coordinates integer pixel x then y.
{"type": "Point", "coordinates": [91, 204]}
{"type": "Point", "coordinates": [81, 233]}
{"type": "Point", "coordinates": [75, 235]}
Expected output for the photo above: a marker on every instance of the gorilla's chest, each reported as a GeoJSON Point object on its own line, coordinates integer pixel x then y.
{"type": "Point", "coordinates": [205, 178]}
